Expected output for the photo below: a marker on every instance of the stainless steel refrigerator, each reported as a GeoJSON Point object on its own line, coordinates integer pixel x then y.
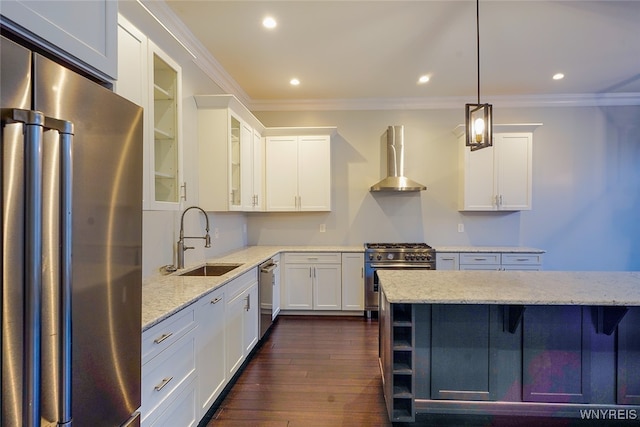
{"type": "Point", "coordinates": [71, 247]}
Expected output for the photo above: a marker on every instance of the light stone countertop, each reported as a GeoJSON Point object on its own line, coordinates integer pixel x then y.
{"type": "Point", "coordinates": [486, 249]}
{"type": "Point", "coordinates": [165, 295]}
{"type": "Point", "coordinates": [512, 287]}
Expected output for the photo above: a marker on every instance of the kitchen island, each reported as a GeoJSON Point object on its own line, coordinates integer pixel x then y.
{"type": "Point", "coordinates": [529, 343]}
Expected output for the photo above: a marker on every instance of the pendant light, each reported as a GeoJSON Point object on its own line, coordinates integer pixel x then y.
{"type": "Point", "coordinates": [478, 117]}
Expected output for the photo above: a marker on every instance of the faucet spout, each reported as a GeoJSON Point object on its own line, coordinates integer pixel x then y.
{"type": "Point", "coordinates": [181, 247]}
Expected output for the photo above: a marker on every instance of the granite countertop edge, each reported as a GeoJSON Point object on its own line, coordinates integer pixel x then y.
{"type": "Point", "coordinates": [593, 288]}
{"type": "Point", "coordinates": [163, 296]}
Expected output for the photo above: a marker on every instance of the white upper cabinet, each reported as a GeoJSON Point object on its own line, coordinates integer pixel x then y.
{"type": "Point", "coordinates": [151, 79]}
{"type": "Point", "coordinates": [497, 178]}
{"type": "Point", "coordinates": [298, 173]}
{"type": "Point", "coordinates": [82, 32]}
{"type": "Point", "coordinates": [230, 154]}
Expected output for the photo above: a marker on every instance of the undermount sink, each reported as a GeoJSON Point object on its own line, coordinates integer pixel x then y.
{"type": "Point", "coordinates": [211, 270]}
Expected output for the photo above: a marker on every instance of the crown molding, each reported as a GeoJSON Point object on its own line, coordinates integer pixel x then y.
{"type": "Point", "coordinates": [216, 72]}
{"type": "Point", "coordinates": [443, 103]}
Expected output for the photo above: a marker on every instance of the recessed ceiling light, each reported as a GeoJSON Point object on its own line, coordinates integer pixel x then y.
{"type": "Point", "coordinates": [269, 22]}
{"type": "Point", "coordinates": [558, 76]}
{"type": "Point", "coordinates": [423, 79]}
{"type": "Point", "coordinates": [294, 82]}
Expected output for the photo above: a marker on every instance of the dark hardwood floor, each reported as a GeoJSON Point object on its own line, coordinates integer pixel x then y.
{"type": "Point", "coordinates": [315, 371]}
{"type": "Point", "coordinates": [311, 371]}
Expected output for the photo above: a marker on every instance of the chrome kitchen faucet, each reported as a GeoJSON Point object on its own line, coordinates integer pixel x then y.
{"type": "Point", "coordinates": [181, 247]}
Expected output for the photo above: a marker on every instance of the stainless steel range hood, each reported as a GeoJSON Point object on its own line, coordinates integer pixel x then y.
{"type": "Point", "coordinates": [395, 180]}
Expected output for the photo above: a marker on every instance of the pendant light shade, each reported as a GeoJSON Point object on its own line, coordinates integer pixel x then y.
{"type": "Point", "coordinates": [478, 118]}
{"type": "Point", "coordinates": [478, 121]}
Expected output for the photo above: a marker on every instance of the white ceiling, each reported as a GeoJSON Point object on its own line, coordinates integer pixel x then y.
{"type": "Point", "coordinates": [375, 50]}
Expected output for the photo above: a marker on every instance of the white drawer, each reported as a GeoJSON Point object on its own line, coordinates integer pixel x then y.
{"type": "Point", "coordinates": [313, 257]}
{"type": "Point", "coordinates": [240, 283]}
{"type": "Point", "coordinates": [522, 259]}
{"type": "Point", "coordinates": [164, 374]}
{"type": "Point", "coordinates": [161, 336]}
{"type": "Point", "coordinates": [480, 258]}
{"type": "Point", "coordinates": [180, 411]}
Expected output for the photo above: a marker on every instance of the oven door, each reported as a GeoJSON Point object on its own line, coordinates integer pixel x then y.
{"type": "Point", "coordinates": [371, 283]}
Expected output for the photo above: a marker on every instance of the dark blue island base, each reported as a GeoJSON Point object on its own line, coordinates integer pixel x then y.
{"type": "Point", "coordinates": [491, 360]}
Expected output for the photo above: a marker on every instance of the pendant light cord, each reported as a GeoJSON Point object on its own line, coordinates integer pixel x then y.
{"type": "Point", "coordinates": [478, 43]}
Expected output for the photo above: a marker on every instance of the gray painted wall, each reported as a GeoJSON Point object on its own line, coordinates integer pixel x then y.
{"type": "Point", "coordinates": [586, 180]}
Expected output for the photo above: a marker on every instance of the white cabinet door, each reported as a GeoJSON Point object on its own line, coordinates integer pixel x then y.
{"type": "Point", "coordinates": [478, 193]}
{"type": "Point", "coordinates": [258, 172]}
{"type": "Point", "coordinates": [497, 177]}
{"type": "Point", "coordinates": [281, 173]}
{"type": "Point", "coordinates": [276, 288]}
{"type": "Point", "coordinates": [210, 354]}
{"type": "Point", "coordinates": [353, 281]}
{"type": "Point", "coordinates": [513, 171]}
{"type": "Point", "coordinates": [132, 64]}
{"type": "Point", "coordinates": [314, 173]}
{"type": "Point", "coordinates": [233, 343]}
{"type": "Point", "coordinates": [82, 32]}
{"type": "Point", "coordinates": [327, 287]}
{"type": "Point", "coordinates": [246, 167]}
{"type": "Point", "coordinates": [298, 287]}
{"type": "Point", "coordinates": [251, 319]}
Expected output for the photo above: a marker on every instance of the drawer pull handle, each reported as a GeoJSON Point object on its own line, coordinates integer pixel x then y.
{"type": "Point", "coordinates": [162, 337]}
{"type": "Point", "coordinates": [447, 259]}
{"type": "Point", "coordinates": [479, 259]}
{"type": "Point", "coordinates": [163, 383]}
{"type": "Point", "coordinates": [216, 300]}
{"type": "Point", "coordinates": [522, 259]}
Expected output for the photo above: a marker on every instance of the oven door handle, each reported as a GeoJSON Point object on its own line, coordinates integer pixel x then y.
{"type": "Point", "coordinates": [418, 266]}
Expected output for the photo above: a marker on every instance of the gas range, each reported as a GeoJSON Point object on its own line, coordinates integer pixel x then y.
{"type": "Point", "coordinates": [399, 253]}
{"type": "Point", "coordinates": [392, 256]}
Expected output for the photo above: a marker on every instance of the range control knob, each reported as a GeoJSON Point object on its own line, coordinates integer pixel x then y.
{"type": "Point", "coordinates": [389, 256]}
{"type": "Point", "coordinates": [379, 257]}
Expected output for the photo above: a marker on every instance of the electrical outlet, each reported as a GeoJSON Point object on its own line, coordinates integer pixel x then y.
{"type": "Point", "coordinates": [323, 228]}
{"type": "Point", "coordinates": [460, 228]}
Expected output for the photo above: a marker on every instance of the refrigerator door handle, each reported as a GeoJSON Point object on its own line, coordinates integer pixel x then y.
{"type": "Point", "coordinates": [33, 123]}
{"type": "Point", "coordinates": [65, 135]}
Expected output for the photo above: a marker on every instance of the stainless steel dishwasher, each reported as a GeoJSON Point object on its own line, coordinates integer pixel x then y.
{"type": "Point", "coordinates": [266, 282]}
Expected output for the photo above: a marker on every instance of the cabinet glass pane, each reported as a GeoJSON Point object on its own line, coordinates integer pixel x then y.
{"type": "Point", "coordinates": [235, 162]}
{"type": "Point", "coordinates": [165, 110]}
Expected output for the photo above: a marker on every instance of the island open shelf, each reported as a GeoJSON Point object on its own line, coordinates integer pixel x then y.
{"type": "Point", "coordinates": [553, 344]}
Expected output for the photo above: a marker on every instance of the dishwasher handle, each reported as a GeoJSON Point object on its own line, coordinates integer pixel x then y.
{"type": "Point", "coordinates": [268, 268]}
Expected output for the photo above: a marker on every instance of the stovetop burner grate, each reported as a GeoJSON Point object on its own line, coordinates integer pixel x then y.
{"type": "Point", "coordinates": [397, 246]}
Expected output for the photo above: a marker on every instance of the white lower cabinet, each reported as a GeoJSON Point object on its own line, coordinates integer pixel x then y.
{"type": "Point", "coordinates": [312, 281]}
{"type": "Point", "coordinates": [168, 369]}
{"type": "Point", "coordinates": [353, 281]}
{"type": "Point", "coordinates": [210, 354]}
